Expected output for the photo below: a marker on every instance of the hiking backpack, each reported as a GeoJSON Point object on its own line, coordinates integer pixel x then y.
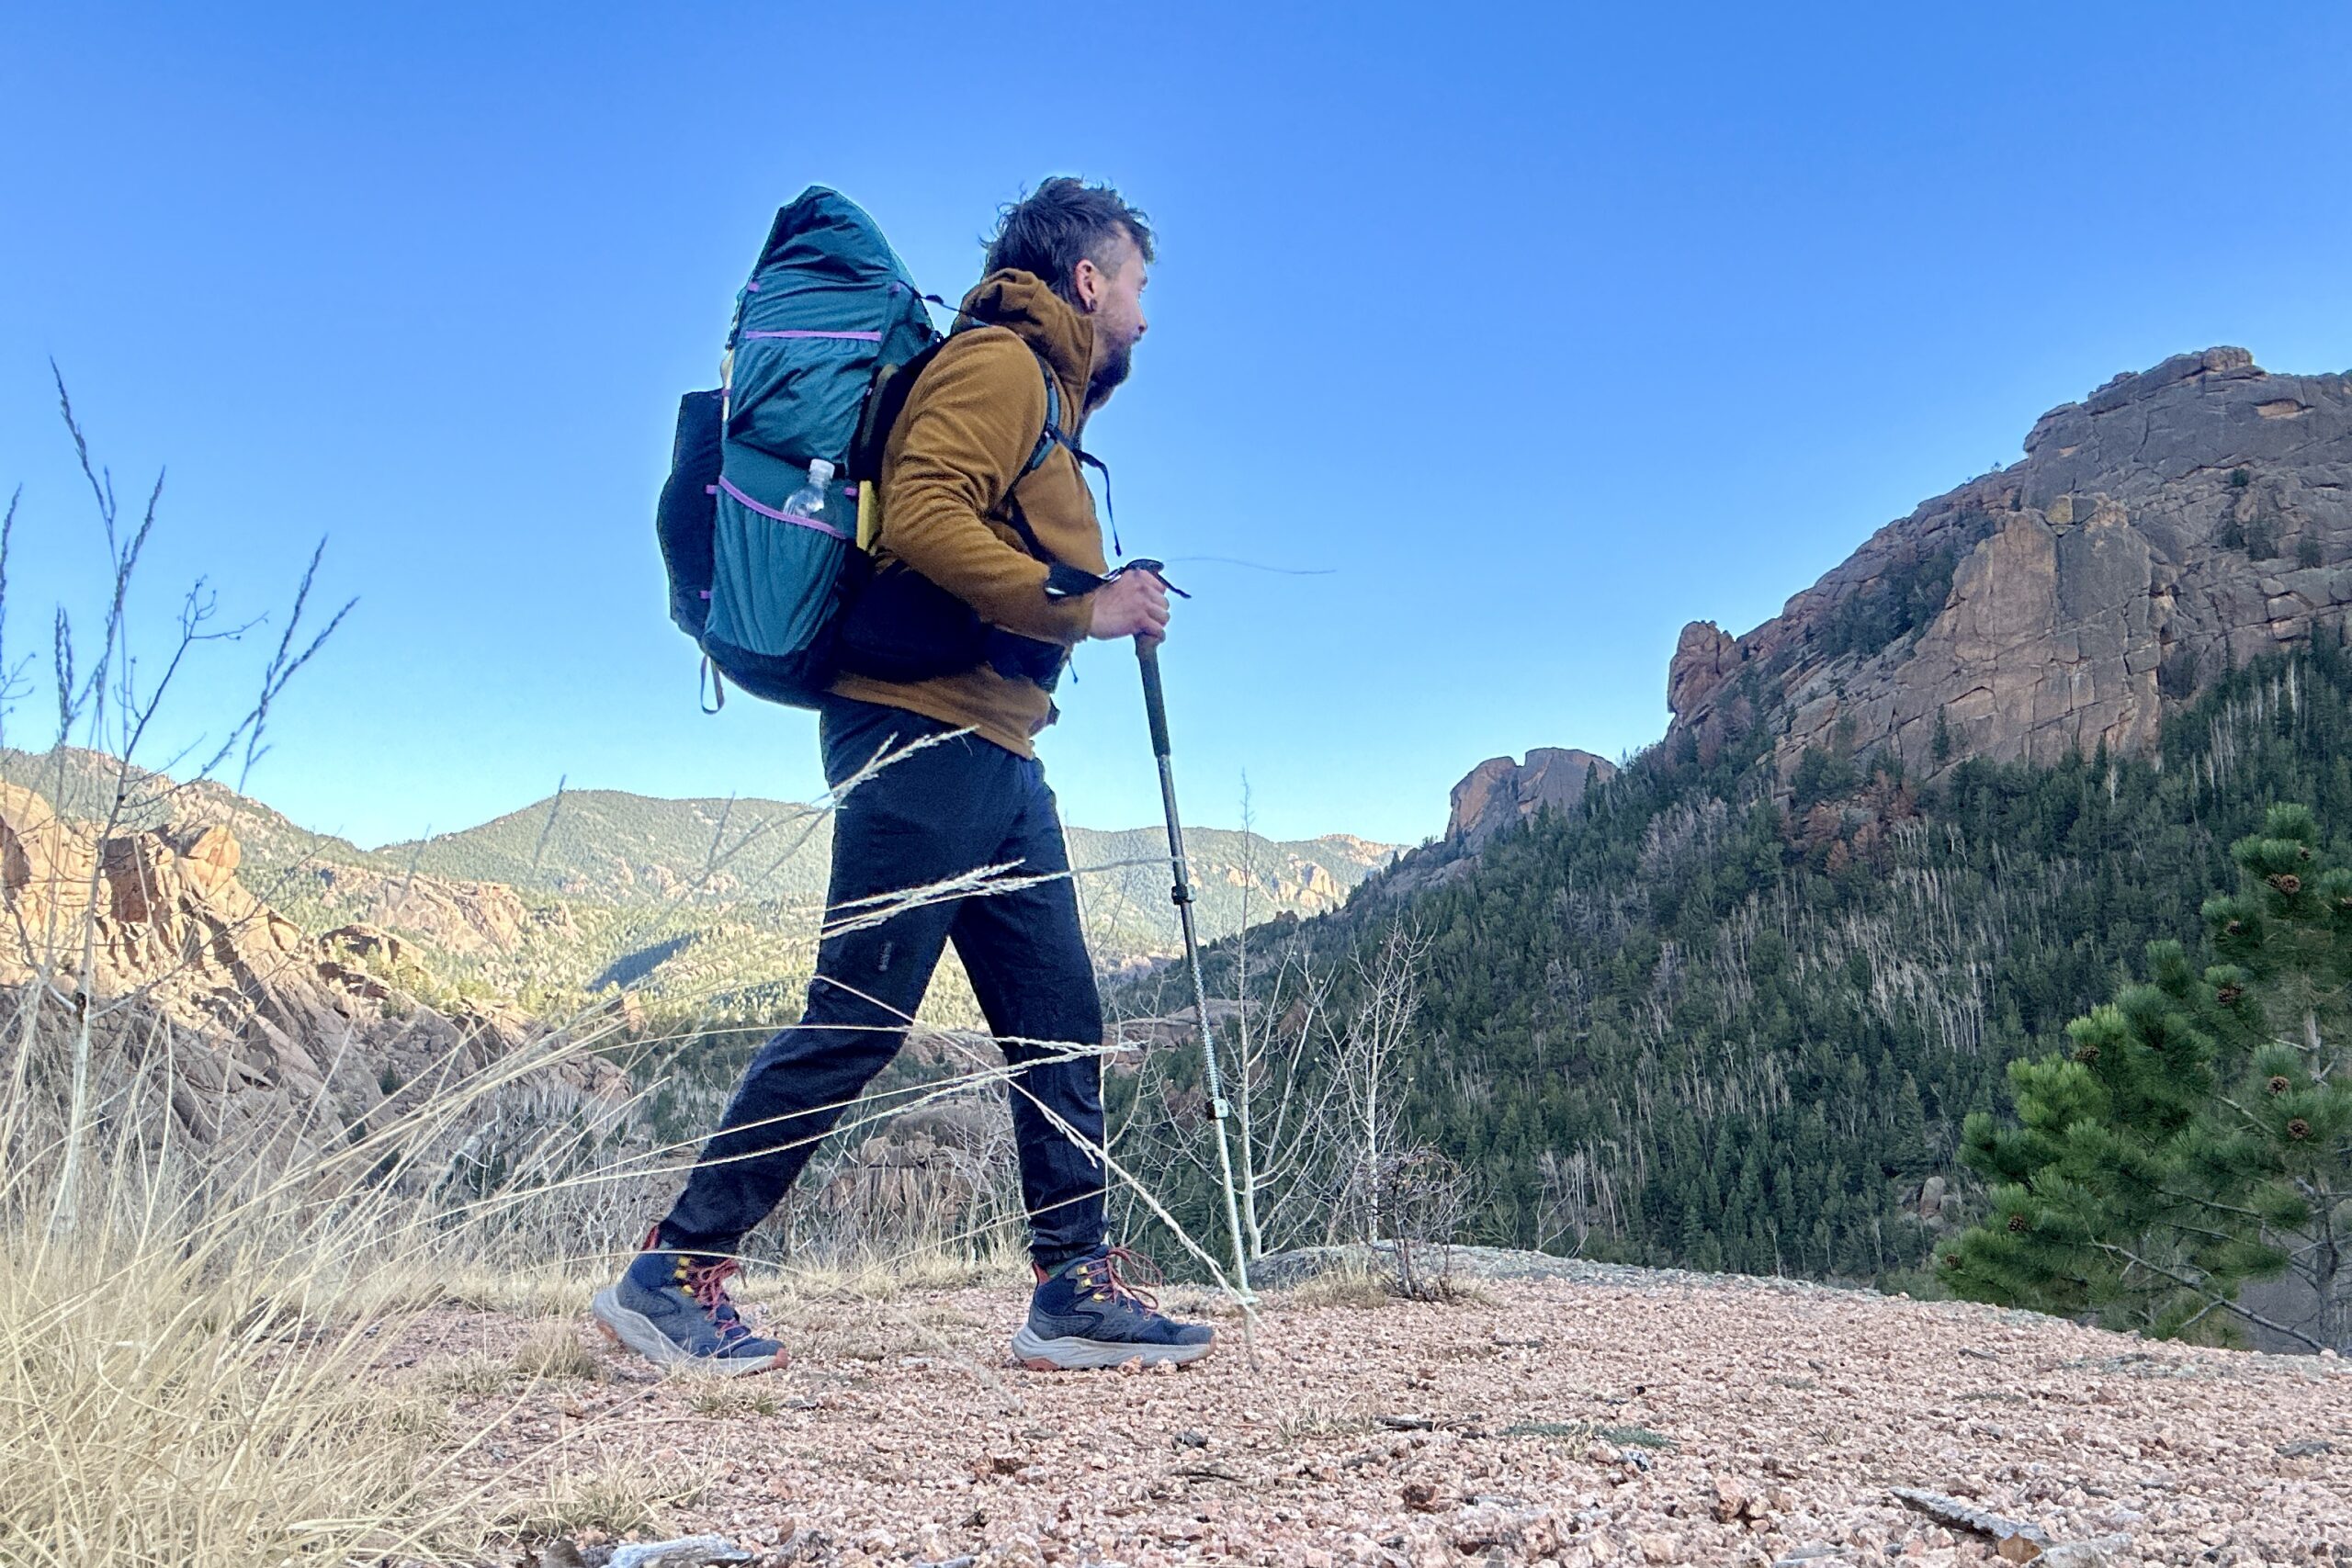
{"type": "Point", "coordinates": [828, 337]}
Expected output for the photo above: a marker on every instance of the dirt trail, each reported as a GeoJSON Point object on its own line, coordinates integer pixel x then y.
{"type": "Point", "coordinates": [1660, 1419]}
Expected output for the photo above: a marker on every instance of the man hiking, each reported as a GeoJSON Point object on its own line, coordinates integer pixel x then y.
{"type": "Point", "coordinates": [967, 507]}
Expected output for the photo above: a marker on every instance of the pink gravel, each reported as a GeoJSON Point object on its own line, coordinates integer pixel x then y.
{"type": "Point", "coordinates": [1546, 1421]}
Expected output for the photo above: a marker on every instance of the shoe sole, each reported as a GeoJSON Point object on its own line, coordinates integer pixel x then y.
{"type": "Point", "coordinates": [1072, 1354]}
{"type": "Point", "coordinates": [635, 1331]}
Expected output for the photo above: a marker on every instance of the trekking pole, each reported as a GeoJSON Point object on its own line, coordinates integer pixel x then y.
{"type": "Point", "coordinates": [1156, 709]}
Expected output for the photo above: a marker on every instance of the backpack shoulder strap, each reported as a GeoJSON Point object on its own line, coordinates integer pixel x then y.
{"type": "Point", "coordinates": [885, 398]}
{"type": "Point", "coordinates": [1051, 435]}
{"type": "Point", "coordinates": [1054, 435]}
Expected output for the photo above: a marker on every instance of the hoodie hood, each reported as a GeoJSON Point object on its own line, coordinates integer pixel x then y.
{"type": "Point", "coordinates": [1045, 321]}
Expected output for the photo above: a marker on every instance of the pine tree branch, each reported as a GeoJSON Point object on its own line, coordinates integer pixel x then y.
{"type": "Point", "coordinates": [2201, 1314]}
{"type": "Point", "coordinates": [2206, 1294]}
{"type": "Point", "coordinates": [2314, 1245]}
{"type": "Point", "coordinates": [2213, 1204]}
{"type": "Point", "coordinates": [2199, 1230]}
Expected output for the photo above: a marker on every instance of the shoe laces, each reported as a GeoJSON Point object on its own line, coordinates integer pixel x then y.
{"type": "Point", "coordinates": [1108, 1275]}
{"type": "Point", "coordinates": [705, 1281]}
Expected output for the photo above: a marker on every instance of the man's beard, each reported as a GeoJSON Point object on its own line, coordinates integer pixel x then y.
{"type": "Point", "coordinates": [1108, 375]}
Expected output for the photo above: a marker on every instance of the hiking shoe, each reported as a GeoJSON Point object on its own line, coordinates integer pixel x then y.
{"type": "Point", "coordinates": [672, 1309]}
{"type": "Point", "coordinates": [1088, 1313]}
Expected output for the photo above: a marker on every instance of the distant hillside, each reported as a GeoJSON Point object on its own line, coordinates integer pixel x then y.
{"type": "Point", "coordinates": [616, 848]}
{"type": "Point", "coordinates": [611, 848]}
{"type": "Point", "coordinates": [468, 928]}
{"type": "Point", "coordinates": [693, 902]}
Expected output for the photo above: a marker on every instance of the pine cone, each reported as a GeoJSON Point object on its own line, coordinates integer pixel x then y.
{"type": "Point", "coordinates": [2279, 1085]}
{"type": "Point", "coordinates": [2298, 1129]}
{"type": "Point", "coordinates": [2288, 883]}
{"type": "Point", "coordinates": [2087, 1052]}
{"type": "Point", "coordinates": [2019, 1223]}
{"type": "Point", "coordinates": [2228, 994]}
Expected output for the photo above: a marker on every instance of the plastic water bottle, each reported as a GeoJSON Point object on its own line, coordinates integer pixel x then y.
{"type": "Point", "coordinates": [808, 502]}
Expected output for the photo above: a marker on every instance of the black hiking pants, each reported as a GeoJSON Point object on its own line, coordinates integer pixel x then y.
{"type": "Point", "coordinates": [942, 811]}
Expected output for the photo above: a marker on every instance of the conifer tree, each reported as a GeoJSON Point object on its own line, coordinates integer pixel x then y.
{"type": "Point", "coordinates": [2198, 1133]}
{"type": "Point", "coordinates": [1907, 1136]}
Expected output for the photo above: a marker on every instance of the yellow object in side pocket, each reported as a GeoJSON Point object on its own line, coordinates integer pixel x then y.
{"type": "Point", "coordinates": [870, 515]}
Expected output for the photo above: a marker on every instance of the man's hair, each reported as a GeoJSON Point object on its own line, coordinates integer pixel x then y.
{"type": "Point", "coordinates": [1062, 222]}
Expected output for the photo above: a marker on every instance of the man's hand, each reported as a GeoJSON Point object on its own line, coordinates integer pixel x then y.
{"type": "Point", "coordinates": [1133, 604]}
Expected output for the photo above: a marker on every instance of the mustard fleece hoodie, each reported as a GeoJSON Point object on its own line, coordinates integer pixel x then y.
{"type": "Point", "coordinates": [950, 474]}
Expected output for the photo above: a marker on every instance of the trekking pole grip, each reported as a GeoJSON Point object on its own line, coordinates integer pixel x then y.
{"type": "Point", "coordinates": [1155, 705]}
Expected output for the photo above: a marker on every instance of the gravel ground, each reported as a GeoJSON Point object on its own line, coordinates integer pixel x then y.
{"type": "Point", "coordinates": [1627, 1419]}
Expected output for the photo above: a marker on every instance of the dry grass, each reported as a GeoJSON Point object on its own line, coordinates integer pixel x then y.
{"type": "Point", "coordinates": [475, 1376]}
{"type": "Point", "coordinates": [202, 1362]}
{"type": "Point", "coordinates": [561, 1290]}
{"type": "Point", "coordinates": [1348, 1285]}
{"type": "Point", "coordinates": [736, 1399]}
{"type": "Point", "coordinates": [616, 1499]}
{"type": "Point", "coordinates": [558, 1351]}
{"type": "Point", "coordinates": [151, 1414]}
{"type": "Point", "coordinates": [1318, 1423]}
{"type": "Point", "coordinates": [199, 1358]}
{"type": "Point", "coordinates": [197, 1347]}
{"type": "Point", "coordinates": [882, 1277]}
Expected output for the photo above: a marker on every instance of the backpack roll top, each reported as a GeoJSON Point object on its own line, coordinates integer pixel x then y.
{"type": "Point", "coordinates": [829, 300]}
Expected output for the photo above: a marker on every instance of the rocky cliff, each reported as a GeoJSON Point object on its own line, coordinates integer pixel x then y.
{"type": "Point", "coordinates": [261, 1031]}
{"type": "Point", "coordinates": [2170, 525]}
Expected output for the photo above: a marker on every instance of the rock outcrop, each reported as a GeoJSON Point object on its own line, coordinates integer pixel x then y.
{"type": "Point", "coordinates": [1499, 792]}
{"type": "Point", "coordinates": [2174, 523]}
{"type": "Point", "coordinates": [267, 1034]}
{"type": "Point", "coordinates": [467, 919]}
{"type": "Point", "coordinates": [1704, 656]}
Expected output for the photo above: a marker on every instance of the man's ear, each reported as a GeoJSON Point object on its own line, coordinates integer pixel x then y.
{"type": "Point", "coordinates": [1088, 277]}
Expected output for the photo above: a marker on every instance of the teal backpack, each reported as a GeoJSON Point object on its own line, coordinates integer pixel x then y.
{"type": "Point", "coordinates": [758, 588]}
{"type": "Point", "coordinates": [828, 337]}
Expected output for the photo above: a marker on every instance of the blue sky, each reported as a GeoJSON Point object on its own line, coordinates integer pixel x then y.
{"type": "Point", "coordinates": [1540, 331]}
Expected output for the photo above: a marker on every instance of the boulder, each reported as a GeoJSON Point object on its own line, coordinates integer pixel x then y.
{"type": "Point", "coordinates": [209, 855]}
